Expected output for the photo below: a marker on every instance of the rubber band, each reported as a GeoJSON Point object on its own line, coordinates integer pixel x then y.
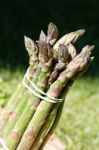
{"type": "Point", "coordinates": [4, 147]}
{"type": "Point", "coordinates": [37, 89]}
{"type": "Point", "coordinates": [47, 98]}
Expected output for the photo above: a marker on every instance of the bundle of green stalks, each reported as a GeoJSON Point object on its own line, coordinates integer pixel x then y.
{"type": "Point", "coordinates": [33, 112]}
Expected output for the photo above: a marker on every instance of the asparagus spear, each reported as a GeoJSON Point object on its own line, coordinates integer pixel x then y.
{"type": "Point", "coordinates": [33, 73]}
{"type": "Point", "coordinates": [68, 38]}
{"type": "Point", "coordinates": [47, 133]}
{"type": "Point", "coordinates": [52, 34]}
{"type": "Point", "coordinates": [76, 65]}
{"type": "Point", "coordinates": [6, 112]}
{"type": "Point", "coordinates": [14, 117]}
{"type": "Point", "coordinates": [32, 51]}
{"type": "Point", "coordinates": [63, 57]}
{"type": "Point", "coordinates": [45, 129]}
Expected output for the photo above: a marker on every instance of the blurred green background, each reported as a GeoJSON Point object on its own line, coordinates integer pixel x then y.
{"type": "Point", "coordinates": [79, 124]}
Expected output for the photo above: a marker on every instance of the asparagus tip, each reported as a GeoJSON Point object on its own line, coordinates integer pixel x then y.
{"type": "Point", "coordinates": [77, 34]}
{"type": "Point", "coordinates": [88, 48]}
{"type": "Point", "coordinates": [42, 36]}
{"type": "Point", "coordinates": [29, 43]}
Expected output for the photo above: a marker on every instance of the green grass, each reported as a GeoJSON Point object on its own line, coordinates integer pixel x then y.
{"type": "Point", "coordinates": [79, 125]}
{"type": "Point", "coordinates": [8, 83]}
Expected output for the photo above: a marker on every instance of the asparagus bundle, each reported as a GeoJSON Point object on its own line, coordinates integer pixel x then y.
{"type": "Point", "coordinates": [54, 65]}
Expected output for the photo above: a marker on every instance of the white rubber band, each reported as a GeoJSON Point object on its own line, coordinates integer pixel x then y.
{"type": "Point", "coordinates": [37, 89]}
{"type": "Point", "coordinates": [48, 98]}
{"type": "Point", "coordinates": [4, 147]}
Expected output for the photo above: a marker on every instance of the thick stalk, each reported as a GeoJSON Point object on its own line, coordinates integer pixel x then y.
{"type": "Point", "coordinates": [45, 129]}
{"type": "Point", "coordinates": [12, 104]}
{"type": "Point", "coordinates": [19, 109]}
{"type": "Point", "coordinates": [16, 95]}
{"type": "Point", "coordinates": [7, 111]}
{"type": "Point", "coordinates": [57, 117]}
{"type": "Point", "coordinates": [14, 117]}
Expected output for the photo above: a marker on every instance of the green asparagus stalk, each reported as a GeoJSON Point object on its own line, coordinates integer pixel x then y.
{"type": "Point", "coordinates": [46, 132]}
{"type": "Point", "coordinates": [16, 95]}
{"type": "Point", "coordinates": [45, 129]}
{"type": "Point", "coordinates": [32, 50]}
{"type": "Point", "coordinates": [76, 65]}
{"type": "Point", "coordinates": [7, 111]}
{"type": "Point", "coordinates": [14, 117]}
{"type": "Point", "coordinates": [12, 104]}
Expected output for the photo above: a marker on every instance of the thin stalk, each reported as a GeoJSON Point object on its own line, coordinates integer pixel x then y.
{"type": "Point", "coordinates": [45, 129]}
{"type": "Point", "coordinates": [19, 100]}
{"type": "Point", "coordinates": [7, 111]}
{"type": "Point", "coordinates": [12, 104]}
{"type": "Point", "coordinates": [57, 117]}
{"type": "Point", "coordinates": [19, 109]}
